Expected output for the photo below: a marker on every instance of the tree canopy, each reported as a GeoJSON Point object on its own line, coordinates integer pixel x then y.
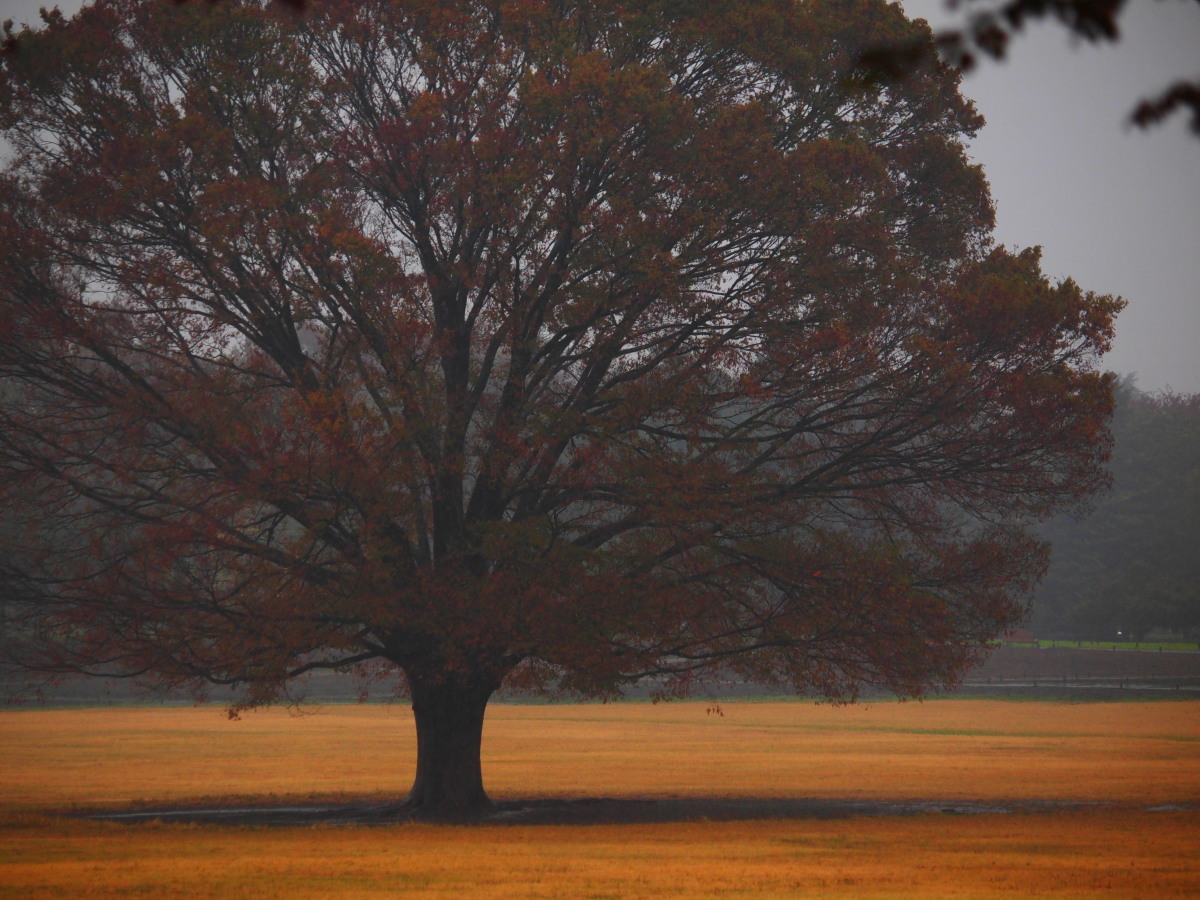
{"type": "Point", "coordinates": [531, 342]}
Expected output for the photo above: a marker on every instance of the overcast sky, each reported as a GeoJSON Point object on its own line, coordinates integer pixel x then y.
{"type": "Point", "coordinates": [1114, 208]}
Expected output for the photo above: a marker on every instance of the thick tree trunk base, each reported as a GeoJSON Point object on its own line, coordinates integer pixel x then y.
{"type": "Point", "coordinates": [449, 718]}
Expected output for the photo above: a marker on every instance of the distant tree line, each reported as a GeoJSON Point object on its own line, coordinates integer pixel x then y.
{"type": "Point", "coordinates": [1133, 565]}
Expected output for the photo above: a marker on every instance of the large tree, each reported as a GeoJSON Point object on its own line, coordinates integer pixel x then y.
{"type": "Point", "coordinates": [543, 343]}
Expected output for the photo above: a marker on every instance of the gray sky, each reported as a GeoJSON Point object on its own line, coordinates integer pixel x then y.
{"type": "Point", "coordinates": [1114, 208]}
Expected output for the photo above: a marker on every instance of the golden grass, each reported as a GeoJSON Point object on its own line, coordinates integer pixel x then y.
{"type": "Point", "coordinates": [1063, 855]}
{"type": "Point", "coordinates": [1127, 756]}
{"type": "Point", "coordinates": [1146, 753]}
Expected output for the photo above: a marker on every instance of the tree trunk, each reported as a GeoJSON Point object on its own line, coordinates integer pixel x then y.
{"type": "Point", "coordinates": [449, 715]}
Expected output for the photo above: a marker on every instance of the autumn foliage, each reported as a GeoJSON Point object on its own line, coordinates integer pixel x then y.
{"type": "Point", "coordinates": [540, 343]}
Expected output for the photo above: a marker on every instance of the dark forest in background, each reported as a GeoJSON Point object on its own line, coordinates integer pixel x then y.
{"type": "Point", "coordinates": [1132, 567]}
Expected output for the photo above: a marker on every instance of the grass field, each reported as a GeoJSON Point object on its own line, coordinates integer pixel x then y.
{"type": "Point", "coordinates": [1120, 759]}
